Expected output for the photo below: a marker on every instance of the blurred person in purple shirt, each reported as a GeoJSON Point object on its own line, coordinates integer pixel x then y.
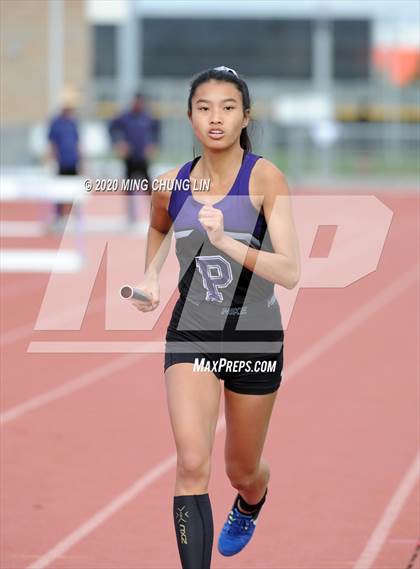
{"type": "Point", "coordinates": [63, 136]}
{"type": "Point", "coordinates": [135, 136]}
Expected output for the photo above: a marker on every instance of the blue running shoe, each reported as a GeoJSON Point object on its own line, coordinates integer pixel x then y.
{"type": "Point", "coordinates": [236, 532]}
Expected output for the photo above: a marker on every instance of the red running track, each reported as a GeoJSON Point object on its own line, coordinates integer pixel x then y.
{"type": "Point", "coordinates": [88, 469]}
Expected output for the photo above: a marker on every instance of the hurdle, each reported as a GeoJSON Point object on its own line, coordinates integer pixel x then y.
{"type": "Point", "coordinates": [35, 187]}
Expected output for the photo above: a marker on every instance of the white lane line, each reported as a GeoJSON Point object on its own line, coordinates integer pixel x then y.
{"type": "Point", "coordinates": [391, 513]}
{"type": "Point", "coordinates": [111, 508]}
{"type": "Point", "coordinates": [384, 297]}
{"type": "Point", "coordinates": [16, 334]}
{"type": "Point", "coordinates": [340, 331]}
{"type": "Point", "coordinates": [69, 387]}
{"type": "Point", "coordinates": [335, 335]}
{"type": "Point", "coordinates": [54, 322]}
{"type": "Point", "coordinates": [94, 522]}
{"type": "Point", "coordinates": [24, 330]}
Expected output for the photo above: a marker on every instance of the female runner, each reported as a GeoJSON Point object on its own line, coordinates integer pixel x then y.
{"type": "Point", "coordinates": [233, 243]}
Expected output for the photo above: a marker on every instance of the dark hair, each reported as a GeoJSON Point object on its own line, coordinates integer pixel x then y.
{"type": "Point", "coordinates": [231, 77]}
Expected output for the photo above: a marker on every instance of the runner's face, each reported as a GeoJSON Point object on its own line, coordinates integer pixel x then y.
{"type": "Point", "coordinates": [217, 114]}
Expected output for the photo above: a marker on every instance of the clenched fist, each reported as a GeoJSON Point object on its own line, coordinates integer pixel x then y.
{"type": "Point", "coordinates": [211, 219]}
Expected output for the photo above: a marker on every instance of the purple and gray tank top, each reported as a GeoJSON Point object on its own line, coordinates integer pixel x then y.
{"type": "Point", "coordinates": [206, 273]}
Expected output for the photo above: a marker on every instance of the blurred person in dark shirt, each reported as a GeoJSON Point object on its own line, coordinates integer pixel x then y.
{"type": "Point", "coordinates": [135, 135]}
{"type": "Point", "coordinates": [63, 136]}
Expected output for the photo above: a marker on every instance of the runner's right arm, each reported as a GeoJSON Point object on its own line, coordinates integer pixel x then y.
{"type": "Point", "coordinates": [159, 238]}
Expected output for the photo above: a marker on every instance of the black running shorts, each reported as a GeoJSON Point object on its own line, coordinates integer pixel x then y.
{"type": "Point", "coordinates": [241, 345]}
